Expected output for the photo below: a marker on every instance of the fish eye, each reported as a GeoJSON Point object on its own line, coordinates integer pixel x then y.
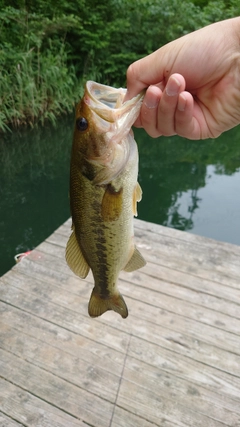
{"type": "Point", "coordinates": [82, 124]}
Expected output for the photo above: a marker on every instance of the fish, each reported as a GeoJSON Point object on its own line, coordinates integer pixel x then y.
{"type": "Point", "coordinates": [104, 192]}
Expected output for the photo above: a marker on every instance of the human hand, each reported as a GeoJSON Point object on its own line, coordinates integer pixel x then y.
{"type": "Point", "coordinates": [193, 84]}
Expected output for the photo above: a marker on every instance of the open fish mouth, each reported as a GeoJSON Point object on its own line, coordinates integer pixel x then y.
{"type": "Point", "coordinates": [111, 121]}
{"type": "Point", "coordinates": [106, 103]}
{"type": "Point", "coordinates": [103, 96]}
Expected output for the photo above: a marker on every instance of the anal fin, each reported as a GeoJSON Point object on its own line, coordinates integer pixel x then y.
{"type": "Point", "coordinates": [75, 258]}
{"type": "Point", "coordinates": [136, 261]}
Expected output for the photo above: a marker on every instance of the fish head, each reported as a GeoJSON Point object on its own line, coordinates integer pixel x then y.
{"type": "Point", "coordinates": [102, 128]}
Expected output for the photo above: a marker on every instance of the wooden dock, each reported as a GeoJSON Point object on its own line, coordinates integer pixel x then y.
{"type": "Point", "coordinates": [174, 362]}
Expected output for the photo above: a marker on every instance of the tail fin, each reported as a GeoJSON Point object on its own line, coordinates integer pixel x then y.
{"type": "Point", "coordinates": [98, 305]}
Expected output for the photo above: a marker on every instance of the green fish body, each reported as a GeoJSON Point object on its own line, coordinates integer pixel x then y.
{"type": "Point", "coordinates": [103, 194]}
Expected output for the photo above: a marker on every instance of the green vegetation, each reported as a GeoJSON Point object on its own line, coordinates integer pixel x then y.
{"type": "Point", "coordinates": [48, 48]}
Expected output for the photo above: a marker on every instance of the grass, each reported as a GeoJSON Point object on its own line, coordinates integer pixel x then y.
{"type": "Point", "coordinates": [35, 87]}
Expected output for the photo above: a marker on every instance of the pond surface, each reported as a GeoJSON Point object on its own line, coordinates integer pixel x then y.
{"type": "Point", "coordinates": [189, 185]}
{"type": "Point", "coordinates": [192, 185]}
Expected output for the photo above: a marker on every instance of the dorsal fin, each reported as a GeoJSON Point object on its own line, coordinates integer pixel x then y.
{"type": "Point", "coordinates": [75, 258]}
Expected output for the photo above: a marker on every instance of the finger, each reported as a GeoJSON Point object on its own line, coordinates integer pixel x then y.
{"type": "Point", "coordinates": [149, 111]}
{"type": "Point", "coordinates": [185, 123]}
{"type": "Point", "coordinates": [143, 73]}
{"type": "Point", "coordinates": [168, 105]}
{"type": "Point", "coordinates": [190, 120]}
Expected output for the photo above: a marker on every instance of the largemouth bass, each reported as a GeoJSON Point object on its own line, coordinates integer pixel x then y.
{"type": "Point", "coordinates": [104, 193]}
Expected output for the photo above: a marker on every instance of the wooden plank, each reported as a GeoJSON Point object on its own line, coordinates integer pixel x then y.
{"type": "Point", "coordinates": [229, 342]}
{"type": "Point", "coordinates": [186, 280]}
{"type": "Point", "coordinates": [174, 361]}
{"type": "Point", "coordinates": [186, 368]}
{"type": "Point", "coordinates": [72, 368]}
{"type": "Point", "coordinates": [150, 276]}
{"type": "Point", "coordinates": [163, 308]}
{"type": "Point", "coordinates": [201, 313]}
{"type": "Point", "coordinates": [147, 404]}
{"type": "Point", "coordinates": [112, 360]}
{"type": "Point", "coordinates": [191, 289]}
{"type": "Point", "coordinates": [202, 288]}
{"type": "Point", "coordinates": [155, 271]}
{"type": "Point", "coordinates": [170, 344]}
{"type": "Point", "coordinates": [213, 335]}
{"type": "Point", "coordinates": [195, 311]}
{"type": "Point", "coordinates": [67, 397]}
{"type": "Point", "coordinates": [69, 319]}
{"type": "Point", "coordinates": [202, 344]}
{"type": "Point", "coordinates": [156, 229]}
{"type": "Point", "coordinates": [193, 397]}
{"type": "Point", "coordinates": [16, 322]}
{"type": "Point", "coordinates": [141, 279]}
{"type": "Point", "coordinates": [204, 299]}
{"type": "Point", "coordinates": [193, 249]}
{"type": "Point", "coordinates": [210, 260]}
{"type": "Point", "coordinates": [39, 271]}
{"type": "Point", "coordinates": [27, 410]}
{"type": "Point", "coordinates": [210, 251]}
{"type": "Point", "coordinates": [161, 393]}
{"type": "Point", "coordinates": [123, 418]}
{"type": "Point", "coordinates": [5, 421]}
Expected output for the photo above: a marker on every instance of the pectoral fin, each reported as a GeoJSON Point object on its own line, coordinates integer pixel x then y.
{"type": "Point", "coordinates": [137, 197]}
{"type": "Point", "coordinates": [112, 203]}
{"type": "Point", "coordinates": [136, 261]}
{"type": "Point", "coordinates": [75, 258]}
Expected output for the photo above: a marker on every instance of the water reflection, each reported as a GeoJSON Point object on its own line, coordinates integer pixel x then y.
{"type": "Point", "coordinates": [177, 178]}
{"type": "Point", "coordinates": [218, 212]}
{"type": "Point", "coordinates": [34, 181]}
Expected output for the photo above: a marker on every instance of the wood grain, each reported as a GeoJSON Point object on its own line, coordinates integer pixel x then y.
{"type": "Point", "coordinates": [175, 361]}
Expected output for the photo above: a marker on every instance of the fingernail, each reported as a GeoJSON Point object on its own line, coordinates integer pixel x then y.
{"type": "Point", "coordinates": [181, 103]}
{"type": "Point", "coordinates": [173, 86]}
{"type": "Point", "coordinates": [150, 104]}
{"type": "Point", "coordinates": [151, 101]}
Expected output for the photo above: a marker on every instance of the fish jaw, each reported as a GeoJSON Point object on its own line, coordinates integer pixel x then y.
{"type": "Point", "coordinates": [107, 104]}
{"type": "Point", "coordinates": [110, 121]}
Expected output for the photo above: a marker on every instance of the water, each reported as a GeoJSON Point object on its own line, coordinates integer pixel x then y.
{"type": "Point", "coordinates": [34, 181]}
{"type": "Point", "coordinates": [192, 186]}
{"type": "Point", "coordinates": [221, 197]}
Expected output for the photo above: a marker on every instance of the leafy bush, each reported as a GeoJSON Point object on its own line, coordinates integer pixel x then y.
{"type": "Point", "coordinates": [48, 48]}
{"type": "Point", "coordinates": [36, 83]}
